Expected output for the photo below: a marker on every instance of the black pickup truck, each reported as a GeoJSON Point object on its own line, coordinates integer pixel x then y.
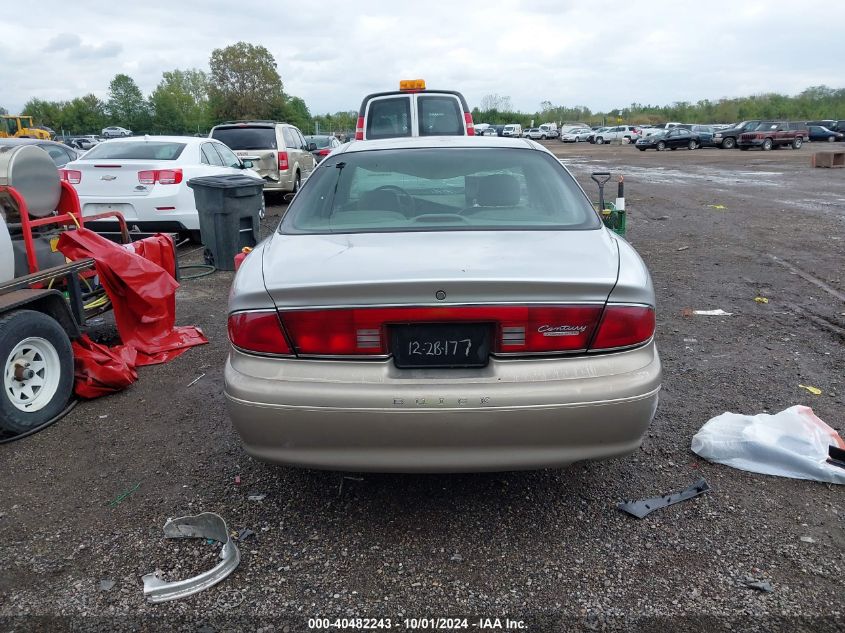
{"type": "Point", "coordinates": [727, 138]}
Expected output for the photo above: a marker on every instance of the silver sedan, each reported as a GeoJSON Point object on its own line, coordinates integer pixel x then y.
{"type": "Point", "coordinates": [441, 304]}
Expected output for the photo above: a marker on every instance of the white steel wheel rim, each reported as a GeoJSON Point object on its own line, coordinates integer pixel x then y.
{"type": "Point", "coordinates": [40, 357]}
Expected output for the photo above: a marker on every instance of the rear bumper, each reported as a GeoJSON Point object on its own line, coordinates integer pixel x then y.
{"type": "Point", "coordinates": [511, 415]}
{"type": "Point", "coordinates": [143, 211]}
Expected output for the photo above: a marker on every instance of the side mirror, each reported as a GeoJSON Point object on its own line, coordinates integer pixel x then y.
{"type": "Point", "coordinates": [247, 164]}
{"type": "Point", "coordinates": [312, 147]}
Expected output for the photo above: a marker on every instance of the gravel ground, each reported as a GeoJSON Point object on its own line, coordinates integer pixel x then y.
{"type": "Point", "coordinates": [548, 548]}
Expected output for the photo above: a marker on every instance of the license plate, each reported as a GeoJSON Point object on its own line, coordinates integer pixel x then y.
{"type": "Point", "coordinates": [441, 345]}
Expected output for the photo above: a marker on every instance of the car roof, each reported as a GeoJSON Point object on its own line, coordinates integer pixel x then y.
{"type": "Point", "coordinates": [417, 142]}
{"type": "Point", "coordinates": [165, 139]}
{"type": "Point", "coordinates": [251, 123]}
{"type": "Point", "coordinates": [28, 141]}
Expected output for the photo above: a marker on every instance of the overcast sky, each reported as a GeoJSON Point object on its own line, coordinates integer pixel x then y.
{"type": "Point", "coordinates": [602, 54]}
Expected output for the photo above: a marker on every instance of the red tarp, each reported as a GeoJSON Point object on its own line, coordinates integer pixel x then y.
{"type": "Point", "coordinates": [143, 297]}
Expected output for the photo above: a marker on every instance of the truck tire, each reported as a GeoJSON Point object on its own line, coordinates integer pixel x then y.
{"type": "Point", "coordinates": [767, 145]}
{"type": "Point", "coordinates": [729, 142]}
{"type": "Point", "coordinates": [36, 360]}
{"type": "Point", "coordinates": [797, 143]}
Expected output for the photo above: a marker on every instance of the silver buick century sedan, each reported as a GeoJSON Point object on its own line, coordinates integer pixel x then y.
{"type": "Point", "coordinates": [441, 304]}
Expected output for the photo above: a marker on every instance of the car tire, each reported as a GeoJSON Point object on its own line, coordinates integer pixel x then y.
{"type": "Point", "coordinates": [728, 143]}
{"type": "Point", "coordinates": [194, 236]}
{"type": "Point", "coordinates": [692, 145]}
{"type": "Point", "coordinates": [661, 146]}
{"type": "Point", "coordinates": [797, 142]}
{"type": "Point", "coordinates": [599, 140]}
{"type": "Point", "coordinates": [543, 137]}
{"type": "Point", "coordinates": [830, 139]}
{"type": "Point", "coordinates": [767, 145]}
{"type": "Point", "coordinates": [32, 338]}
{"type": "Point", "coordinates": [642, 149]}
{"type": "Point", "coordinates": [297, 182]}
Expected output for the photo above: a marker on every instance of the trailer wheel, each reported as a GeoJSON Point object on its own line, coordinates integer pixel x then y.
{"type": "Point", "coordinates": [37, 370]}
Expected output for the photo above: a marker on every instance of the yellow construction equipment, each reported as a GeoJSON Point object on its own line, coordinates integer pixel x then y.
{"type": "Point", "coordinates": [20, 126]}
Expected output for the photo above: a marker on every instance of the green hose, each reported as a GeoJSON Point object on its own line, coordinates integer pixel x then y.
{"type": "Point", "coordinates": [206, 270]}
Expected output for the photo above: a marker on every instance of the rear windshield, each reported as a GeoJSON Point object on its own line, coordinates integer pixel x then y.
{"type": "Point", "coordinates": [146, 150]}
{"type": "Point", "coordinates": [320, 141]}
{"type": "Point", "coordinates": [389, 118]}
{"type": "Point", "coordinates": [443, 189]}
{"type": "Point", "coordinates": [246, 137]}
{"type": "Point", "coordinates": [440, 116]}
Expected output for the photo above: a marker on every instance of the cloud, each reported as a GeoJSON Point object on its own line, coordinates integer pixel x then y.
{"type": "Point", "coordinates": [62, 41]}
{"type": "Point", "coordinates": [97, 51]}
{"type": "Point", "coordinates": [72, 43]}
{"type": "Point", "coordinates": [603, 54]}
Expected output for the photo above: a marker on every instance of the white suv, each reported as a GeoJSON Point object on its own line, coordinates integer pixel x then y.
{"type": "Point", "coordinates": [628, 133]}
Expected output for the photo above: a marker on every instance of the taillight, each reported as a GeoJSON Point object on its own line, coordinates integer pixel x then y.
{"type": "Point", "coordinates": [518, 329]}
{"type": "Point", "coordinates": [73, 176]}
{"type": "Point", "coordinates": [470, 126]}
{"type": "Point", "coordinates": [169, 176]}
{"type": "Point", "coordinates": [161, 176]}
{"type": "Point", "coordinates": [624, 326]}
{"type": "Point", "coordinates": [359, 129]}
{"type": "Point", "coordinates": [258, 332]}
{"type": "Point", "coordinates": [324, 152]}
{"type": "Point", "coordinates": [283, 161]}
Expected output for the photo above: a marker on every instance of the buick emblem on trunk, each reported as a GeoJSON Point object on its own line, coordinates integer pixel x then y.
{"type": "Point", "coordinates": [561, 330]}
{"type": "Point", "coordinates": [108, 177]}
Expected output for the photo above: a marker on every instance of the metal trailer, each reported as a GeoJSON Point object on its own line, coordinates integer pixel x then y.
{"type": "Point", "coordinates": [42, 311]}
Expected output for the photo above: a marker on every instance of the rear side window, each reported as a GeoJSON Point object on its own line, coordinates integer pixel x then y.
{"type": "Point", "coordinates": [292, 138]}
{"type": "Point", "coordinates": [389, 118]}
{"type": "Point", "coordinates": [440, 116]}
{"type": "Point", "coordinates": [210, 156]}
{"type": "Point", "coordinates": [146, 150]}
{"type": "Point", "coordinates": [246, 137]}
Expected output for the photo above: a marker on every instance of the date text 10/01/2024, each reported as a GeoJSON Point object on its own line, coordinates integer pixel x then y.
{"type": "Point", "coordinates": [480, 624]}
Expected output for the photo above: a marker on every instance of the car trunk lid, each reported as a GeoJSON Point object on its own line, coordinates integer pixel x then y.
{"type": "Point", "coordinates": [441, 299]}
{"type": "Point", "coordinates": [109, 177]}
{"type": "Point", "coordinates": [478, 267]}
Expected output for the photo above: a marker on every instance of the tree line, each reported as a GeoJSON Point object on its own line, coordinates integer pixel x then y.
{"type": "Point", "coordinates": [243, 82]}
{"type": "Point", "coordinates": [818, 102]}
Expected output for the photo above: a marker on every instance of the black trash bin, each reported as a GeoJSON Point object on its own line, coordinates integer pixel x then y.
{"type": "Point", "coordinates": [229, 208]}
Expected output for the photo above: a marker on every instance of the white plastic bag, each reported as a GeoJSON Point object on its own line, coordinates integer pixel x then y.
{"type": "Point", "coordinates": [793, 443]}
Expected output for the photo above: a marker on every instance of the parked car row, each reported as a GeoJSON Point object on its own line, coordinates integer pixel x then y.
{"type": "Point", "coordinates": [515, 130]}
{"type": "Point", "coordinates": [754, 133]}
